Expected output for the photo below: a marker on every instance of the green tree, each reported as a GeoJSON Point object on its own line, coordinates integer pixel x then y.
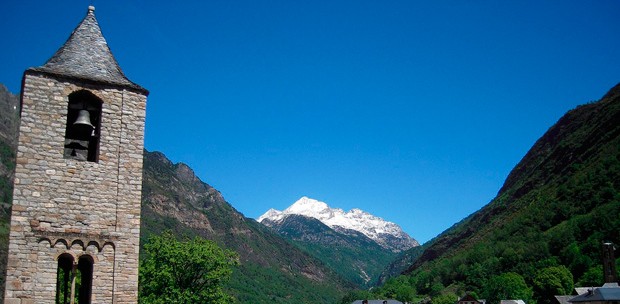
{"type": "Point", "coordinates": [507, 286]}
{"type": "Point", "coordinates": [436, 289]}
{"type": "Point", "coordinates": [423, 281]}
{"type": "Point", "coordinates": [448, 298]}
{"type": "Point", "coordinates": [592, 277]}
{"type": "Point", "coordinates": [398, 288]}
{"type": "Point", "coordinates": [192, 271]}
{"type": "Point", "coordinates": [552, 281]}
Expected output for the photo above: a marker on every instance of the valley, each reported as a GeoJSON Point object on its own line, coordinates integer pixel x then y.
{"type": "Point", "coordinates": [556, 208]}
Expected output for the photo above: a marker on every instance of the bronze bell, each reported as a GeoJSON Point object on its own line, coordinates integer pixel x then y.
{"type": "Point", "coordinates": [83, 119]}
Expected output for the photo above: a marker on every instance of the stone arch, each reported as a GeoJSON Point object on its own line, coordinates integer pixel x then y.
{"type": "Point", "coordinates": [78, 243]}
{"type": "Point", "coordinates": [46, 240]}
{"type": "Point", "coordinates": [60, 241]}
{"type": "Point", "coordinates": [83, 126]}
{"type": "Point", "coordinates": [94, 257]}
{"type": "Point", "coordinates": [95, 244]}
{"type": "Point", "coordinates": [108, 244]}
{"type": "Point", "coordinates": [64, 253]}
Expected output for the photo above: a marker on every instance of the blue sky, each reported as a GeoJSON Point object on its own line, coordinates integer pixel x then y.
{"type": "Point", "coordinates": [415, 111]}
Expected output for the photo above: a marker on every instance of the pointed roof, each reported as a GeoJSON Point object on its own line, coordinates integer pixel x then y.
{"type": "Point", "coordinates": [86, 55]}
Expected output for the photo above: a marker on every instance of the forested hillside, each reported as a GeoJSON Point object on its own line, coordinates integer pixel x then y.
{"type": "Point", "coordinates": [363, 257]}
{"type": "Point", "coordinates": [543, 232]}
{"type": "Point", "coordinates": [9, 122]}
{"type": "Point", "coordinates": [271, 271]}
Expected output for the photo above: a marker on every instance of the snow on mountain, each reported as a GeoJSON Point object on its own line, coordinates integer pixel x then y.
{"type": "Point", "coordinates": [386, 234]}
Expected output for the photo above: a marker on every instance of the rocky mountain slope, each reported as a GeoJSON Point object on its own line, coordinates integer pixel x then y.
{"type": "Point", "coordinates": [9, 122]}
{"type": "Point", "coordinates": [272, 270]}
{"type": "Point", "coordinates": [555, 209]}
{"type": "Point", "coordinates": [351, 254]}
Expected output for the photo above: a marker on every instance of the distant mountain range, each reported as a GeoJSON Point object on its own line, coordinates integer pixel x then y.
{"type": "Point", "coordinates": [386, 234]}
{"type": "Point", "coordinates": [355, 244]}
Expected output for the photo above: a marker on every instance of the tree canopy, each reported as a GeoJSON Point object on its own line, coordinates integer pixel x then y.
{"type": "Point", "coordinates": [189, 271]}
{"type": "Point", "coordinates": [508, 285]}
{"type": "Point", "coordinates": [551, 281]}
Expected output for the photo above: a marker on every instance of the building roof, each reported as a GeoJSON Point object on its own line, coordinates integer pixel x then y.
{"type": "Point", "coordinates": [563, 299]}
{"type": "Point", "coordinates": [86, 56]}
{"type": "Point", "coordinates": [468, 298]}
{"type": "Point", "coordinates": [378, 302]}
{"type": "Point", "coordinates": [582, 290]}
{"type": "Point", "coordinates": [512, 302]}
{"type": "Point", "coordinates": [605, 293]}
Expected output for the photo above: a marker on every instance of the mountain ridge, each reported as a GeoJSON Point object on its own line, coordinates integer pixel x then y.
{"type": "Point", "coordinates": [555, 209]}
{"type": "Point", "coordinates": [363, 257]}
{"type": "Point", "coordinates": [550, 159]}
{"type": "Point", "coordinates": [387, 234]}
{"type": "Point", "coordinates": [175, 198]}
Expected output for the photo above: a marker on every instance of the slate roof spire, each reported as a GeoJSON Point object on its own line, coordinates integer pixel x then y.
{"type": "Point", "coordinates": [86, 55]}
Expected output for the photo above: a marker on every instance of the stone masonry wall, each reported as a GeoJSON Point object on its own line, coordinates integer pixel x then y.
{"type": "Point", "coordinates": [65, 205]}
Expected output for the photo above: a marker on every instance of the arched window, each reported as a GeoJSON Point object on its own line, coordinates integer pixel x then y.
{"type": "Point", "coordinates": [64, 277]}
{"type": "Point", "coordinates": [85, 271]}
{"type": "Point", "coordinates": [83, 126]}
{"type": "Point", "coordinates": [74, 281]}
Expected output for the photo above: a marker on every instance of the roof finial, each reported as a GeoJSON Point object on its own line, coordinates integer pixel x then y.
{"type": "Point", "coordinates": [91, 9]}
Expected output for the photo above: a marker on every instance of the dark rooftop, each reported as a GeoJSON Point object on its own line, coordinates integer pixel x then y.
{"type": "Point", "coordinates": [606, 293]}
{"type": "Point", "coordinates": [86, 55]}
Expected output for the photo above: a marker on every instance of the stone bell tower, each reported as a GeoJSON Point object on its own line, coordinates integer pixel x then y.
{"type": "Point", "coordinates": [75, 223]}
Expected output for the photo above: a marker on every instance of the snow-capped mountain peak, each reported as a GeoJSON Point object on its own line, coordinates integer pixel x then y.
{"type": "Point", "coordinates": [386, 234]}
{"type": "Point", "coordinates": [306, 206]}
{"type": "Point", "coordinates": [271, 213]}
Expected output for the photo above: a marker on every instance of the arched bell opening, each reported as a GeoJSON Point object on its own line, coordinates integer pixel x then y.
{"type": "Point", "coordinates": [83, 126]}
{"type": "Point", "coordinates": [64, 276]}
{"type": "Point", "coordinates": [85, 270]}
{"type": "Point", "coordinates": [74, 281]}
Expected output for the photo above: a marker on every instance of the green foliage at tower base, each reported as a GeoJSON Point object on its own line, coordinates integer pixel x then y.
{"type": "Point", "coordinates": [192, 271]}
